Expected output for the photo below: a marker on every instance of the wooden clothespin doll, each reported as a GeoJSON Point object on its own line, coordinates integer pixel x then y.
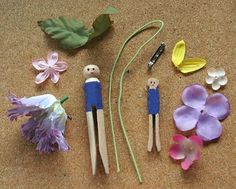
{"type": "Point", "coordinates": [153, 111]}
{"type": "Point", "coordinates": [95, 116]}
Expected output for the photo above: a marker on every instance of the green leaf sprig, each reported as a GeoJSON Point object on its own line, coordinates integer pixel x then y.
{"type": "Point", "coordinates": [72, 33]}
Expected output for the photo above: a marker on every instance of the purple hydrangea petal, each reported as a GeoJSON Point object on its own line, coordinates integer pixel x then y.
{"type": "Point", "coordinates": [53, 138]}
{"type": "Point", "coordinates": [13, 99]}
{"type": "Point", "coordinates": [42, 129]}
{"type": "Point", "coordinates": [23, 107]}
{"type": "Point", "coordinates": [42, 101]}
{"type": "Point", "coordinates": [28, 128]}
{"type": "Point", "coordinates": [22, 110]}
{"type": "Point", "coordinates": [208, 127]}
{"type": "Point", "coordinates": [217, 105]}
{"type": "Point", "coordinates": [186, 118]}
{"type": "Point", "coordinates": [194, 96]}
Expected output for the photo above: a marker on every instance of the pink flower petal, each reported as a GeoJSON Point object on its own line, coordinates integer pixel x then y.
{"type": "Point", "coordinates": [217, 105]}
{"type": "Point", "coordinates": [197, 140]}
{"type": "Point", "coordinates": [54, 76]}
{"type": "Point", "coordinates": [179, 138]}
{"type": "Point", "coordinates": [52, 58]}
{"type": "Point", "coordinates": [186, 118]}
{"type": "Point", "coordinates": [186, 163]}
{"type": "Point", "coordinates": [194, 96]}
{"type": "Point", "coordinates": [208, 127]}
{"type": "Point", "coordinates": [196, 155]}
{"type": "Point", "coordinates": [60, 66]}
{"type": "Point", "coordinates": [40, 64]}
{"type": "Point", "coordinates": [41, 77]}
{"type": "Point", "coordinates": [176, 152]}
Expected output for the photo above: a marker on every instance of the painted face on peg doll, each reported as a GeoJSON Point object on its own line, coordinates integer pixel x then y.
{"type": "Point", "coordinates": [152, 83]}
{"type": "Point", "coordinates": [91, 71]}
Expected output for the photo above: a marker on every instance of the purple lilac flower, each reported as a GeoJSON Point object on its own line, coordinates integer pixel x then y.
{"type": "Point", "coordinates": [46, 124]}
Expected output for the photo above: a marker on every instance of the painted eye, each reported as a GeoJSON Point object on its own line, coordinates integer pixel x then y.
{"type": "Point", "coordinates": [93, 69]}
{"type": "Point", "coordinates": [88, 69]}
{"type": "Point", "coordinates": [151, 82]}
{"type": "Point", "coordinates": [154, 82]}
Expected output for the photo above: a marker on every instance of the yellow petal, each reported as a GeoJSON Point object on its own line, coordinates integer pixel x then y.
{"type": "Point", "coordinates": [178, 53]}
{"type": "Point", "coordinates": [191, 64]}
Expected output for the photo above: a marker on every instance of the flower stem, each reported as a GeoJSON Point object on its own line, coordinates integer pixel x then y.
{"type": "Point", "coordinates": [64, 98]}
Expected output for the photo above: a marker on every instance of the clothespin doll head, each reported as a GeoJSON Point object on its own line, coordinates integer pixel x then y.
{"type": "Point", "coordinates": [152, 83]}
{"type": "Point", "coordinates": [91, 70]}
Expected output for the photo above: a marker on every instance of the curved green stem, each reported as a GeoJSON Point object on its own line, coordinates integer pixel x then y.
{"type": "Point", "coordinates": [144, 27]}
{"type": "Point", "coordinates": [64, 98]}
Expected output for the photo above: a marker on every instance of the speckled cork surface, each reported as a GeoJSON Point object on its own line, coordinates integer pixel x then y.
{"type": "Point", "coordinates": [209, 29]}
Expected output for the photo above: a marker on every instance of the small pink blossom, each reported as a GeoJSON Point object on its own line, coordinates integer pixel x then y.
{"type": "Point", "coordinates": [186, 149]}
{"type": "Point", "coordinates": [50, 68]}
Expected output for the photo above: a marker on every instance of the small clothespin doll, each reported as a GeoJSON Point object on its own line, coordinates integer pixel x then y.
{"type": "Point", "coordinates": [95, 116]}
{"type": "Point", "coordinates": [153, 111]}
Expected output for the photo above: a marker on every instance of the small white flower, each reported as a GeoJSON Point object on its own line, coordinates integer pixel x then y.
{"type": "Point", "coordinates": [216, 78]}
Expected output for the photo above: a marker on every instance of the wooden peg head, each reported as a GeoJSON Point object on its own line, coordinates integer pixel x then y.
{"type": "Point", "coordinates": [91, 70]}
{"type": "Point", "coordinates": [153, 83]}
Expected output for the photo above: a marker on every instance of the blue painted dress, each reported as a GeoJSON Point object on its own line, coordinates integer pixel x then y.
{"type": "Point", "coordinates": [153, 101]}
{"type": "Point", "coordinates": [93, 95]}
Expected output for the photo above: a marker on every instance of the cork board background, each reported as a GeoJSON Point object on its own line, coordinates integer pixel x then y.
{"type": "Point", "coordinates": [209, 29]}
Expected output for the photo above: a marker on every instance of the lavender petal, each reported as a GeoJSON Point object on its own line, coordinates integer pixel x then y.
{"type": "Point", "coordinates": [186, 118]}
{"type": "Point", "coordinates": [194, 96]}
{"type": "Point", "coordinates": [217, 105]}
{"type": "Point", "coordinates": [52, 139]}
{"type": "Point", "coordinates": [208, 127]}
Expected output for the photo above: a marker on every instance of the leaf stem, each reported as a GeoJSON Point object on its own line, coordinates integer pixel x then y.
{"type": "Point", "coordinates": [64, 98]}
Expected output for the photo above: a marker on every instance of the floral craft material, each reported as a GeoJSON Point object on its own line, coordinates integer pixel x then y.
{"type": "Point", "coordinates": [46, 124]}
{"type": "Point", "coordinates": [72, 33]}
{"type": "Point", "coordinates": [50, 68]}
{"type": "Point", "coordinates": [131, 61]}
{"type": "Point", "coordinates": [185, 65]}
{"type": "Point", "coordinates": [201, 111]}
{"type": "Point", "coordinates": [216, 78]}
{"type": "Point", "coordinates": [186, 149]}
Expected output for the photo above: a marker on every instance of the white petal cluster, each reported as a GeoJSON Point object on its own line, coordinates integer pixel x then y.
{"type": "Point", "coordinates": [216, 78]}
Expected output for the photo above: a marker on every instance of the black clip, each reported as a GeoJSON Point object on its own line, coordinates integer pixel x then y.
{"type": "Point", "coordinates": [156, 55]}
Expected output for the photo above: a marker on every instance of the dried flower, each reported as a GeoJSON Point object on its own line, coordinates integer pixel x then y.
{"type": "Point", "coordinates": [186, 149]}
{"type": "Point", "coordinates": [202, 111]}
{"type": "Point", "coordinates": [51, 68]}
{"type": "Point", "coordinates": [46, 124]}
{"type": "Point", "coordinates": [216, 78]}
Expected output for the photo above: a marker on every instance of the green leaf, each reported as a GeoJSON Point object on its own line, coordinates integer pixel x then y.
{"type": "Point", "coordinates": [102, 22]}
{"type": "Point", "coordinates": [70, 32]}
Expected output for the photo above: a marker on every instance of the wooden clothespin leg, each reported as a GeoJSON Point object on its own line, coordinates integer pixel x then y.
{"type": "Point", "coordinates": [153, 111]}
{"type": "Point", "coordinates": [93, 97]}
